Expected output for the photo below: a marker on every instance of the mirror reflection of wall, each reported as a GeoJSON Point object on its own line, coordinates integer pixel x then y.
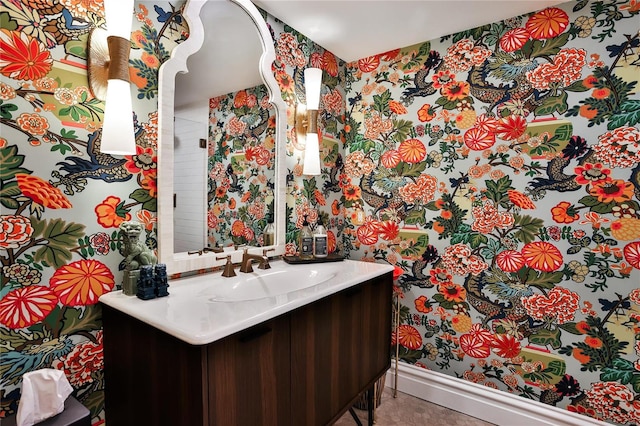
{"type": "Point", "coordinates": [189, 180]}
{"type": "Point", "coordinates": [225, 65]}
{"type": "Point", "coordinates": [241, 167]}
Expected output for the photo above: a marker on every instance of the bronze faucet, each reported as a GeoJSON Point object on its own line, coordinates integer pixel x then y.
{"type": "Point", "coordinates": [247, 259]}
{"type": "Point", "coordinates": [228, 267]}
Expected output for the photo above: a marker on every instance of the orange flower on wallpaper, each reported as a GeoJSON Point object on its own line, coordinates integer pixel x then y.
{"type": "Point", "coordinates": [511, 127]}
{"type": "Point", "coordinates": [317, 194]}
{"type": "Point", "coordinates": [607, 191]}
{"type": "Point", "coordinates": [368, 234]}
{"type": "Point", "coordinates": [34, 124]}
{"type": "Point", "coordinates": [391, 158]}
{"type": "Point", "coordinates": [409, 337]}
{"type": "Point", "coordinates": [479, 139]}
{"type": "Point", "coordinates": [591, 173]}
{"type": "Point", "coordinates": [42, 192]}
{"type": "Point", "coordinates": [397, 107]}
{"type": "Point", "coordinates": [332, 244]}
{"type": "Point", "coordinates": [111, 212]}
{"type": "Point", "coordinates": [547, 23]}
{"type": "Point", "coordinates": [26, 306]}
{"type": "Point", "coordinates": [509, 260]}
{"type": "Point", "coordinates": [514, 39]}
{"type": "Point", "coordinates": [426, 113]}
{"type": "Point", "coordinates": [564, 212]}
{"type": "Point", "coordinates": [146, 218]}
{"type": "Point", "coordinates": [23, 57]}
{"type": "Point", "coordinates": [15, 231]}
{"type": "Point", "coordinates": [455, 90]}
{"type": "Point", "coordinates": [412, 151]}
{"type": "Point", "coordinates": [81, 283]}
{"type": "Point", "coordinates": [335, 208]}
{"type": "Point", "coordinates": [452, 292]}
{"type": "Point", "coordinates": [389, 230]}
{"type": "Point", "coordinates": [149, 182]}
{"type": "Point", "coordinates": [542, 256]}
{"type": "Point", "coordinates": [369, 64]}
{"type": "Point", "coordinates": [330, 63]}
{"type": "Point", "coordinates": [520, 200]}
{"type": "Point", "coordinates": [237, 229]}
{"type": "Point", "coordinates": [352, 192]}
{"type": "Point", "coordinates": [423, 305]}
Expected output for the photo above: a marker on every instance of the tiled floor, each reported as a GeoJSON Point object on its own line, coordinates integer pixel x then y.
{"type": "Point", "coordinates": [406, 410]}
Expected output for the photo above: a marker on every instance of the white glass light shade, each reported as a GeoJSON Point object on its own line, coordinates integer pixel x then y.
{"type": "Point", "coordinates": [311, 155]}
{"type": "Point", "coordinates": [312, 83]}
{"type": "Point", "coordinates": [117, 14]}
{"type": "Point", "coordinates": [117, 128]}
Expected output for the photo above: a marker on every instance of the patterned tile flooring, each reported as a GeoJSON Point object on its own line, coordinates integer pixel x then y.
{"type": "Point", "coordinates": [406, 410]}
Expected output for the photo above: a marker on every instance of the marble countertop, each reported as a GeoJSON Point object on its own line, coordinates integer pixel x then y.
{"type": "Point", "coordinates": [204, 308]}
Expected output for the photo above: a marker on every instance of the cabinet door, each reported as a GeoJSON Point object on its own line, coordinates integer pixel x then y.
{"type": "Point", "coordinates": [339, 347]}
{"type": "Point", "coordinates": [249, 376]}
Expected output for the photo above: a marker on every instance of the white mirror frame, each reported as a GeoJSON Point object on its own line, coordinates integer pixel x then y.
{"type": "Point", "coordinates": [183, 262]}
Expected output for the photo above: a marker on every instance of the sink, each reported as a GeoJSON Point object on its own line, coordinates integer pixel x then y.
{"type": "Point", "coordinates": [262, 284]}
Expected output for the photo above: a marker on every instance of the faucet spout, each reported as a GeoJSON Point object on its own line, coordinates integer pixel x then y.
{"type": "Point", "coordinates": [248, 259]}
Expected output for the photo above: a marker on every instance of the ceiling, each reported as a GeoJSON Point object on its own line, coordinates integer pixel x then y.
{"type": "Point", "coordinates": [355, 29]}
{"type": "Point", "coordinates": [351, 29]}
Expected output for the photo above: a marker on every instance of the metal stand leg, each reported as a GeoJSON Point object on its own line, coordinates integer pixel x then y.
{"type": "Point", "coordinates": [370, 405]}
{"type": "Point", "coordinates": [397, 321]}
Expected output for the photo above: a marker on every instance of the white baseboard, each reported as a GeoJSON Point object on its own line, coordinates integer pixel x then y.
{"type": "Point", "coordinates": [490, 405]}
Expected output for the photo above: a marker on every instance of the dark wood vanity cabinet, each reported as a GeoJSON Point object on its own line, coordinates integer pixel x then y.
{"type": "Point", "coordinates": [306, 367]}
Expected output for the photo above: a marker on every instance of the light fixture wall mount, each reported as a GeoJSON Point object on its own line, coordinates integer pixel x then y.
{"type": "Point", "coordinates": [306, 121]}
{"type": "Point", "coordinates": [108, 72]}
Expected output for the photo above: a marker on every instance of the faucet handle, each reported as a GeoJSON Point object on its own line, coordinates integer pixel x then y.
{"type": "Point", "coordinates": [228, 267]}
{"type": "Point", "coordinates": [265, 251]}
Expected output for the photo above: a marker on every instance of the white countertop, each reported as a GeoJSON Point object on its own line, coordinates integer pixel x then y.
{"type": "Point", "coordinates": [193, 311]}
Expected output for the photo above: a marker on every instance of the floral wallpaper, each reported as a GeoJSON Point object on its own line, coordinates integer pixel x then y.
{"type": "Point", "coordinates": [241, 166]}
{"type": "Point", "coordinates": [499, 170]}
{"type": "Point", "coordinates": [496, 168]}
{"type": "Point", "coordinates": [61, 199]}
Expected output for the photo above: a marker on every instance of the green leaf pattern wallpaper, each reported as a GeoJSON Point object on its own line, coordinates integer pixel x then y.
{"type": "Point", "coordinates": [498, 169]}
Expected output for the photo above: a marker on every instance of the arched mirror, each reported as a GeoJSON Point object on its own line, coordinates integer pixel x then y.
{"type": "Point", "coordinates": [221, 133]}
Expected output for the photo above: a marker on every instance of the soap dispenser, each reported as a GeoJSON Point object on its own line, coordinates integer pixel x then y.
{"type": "Point", "coordinates": [269, 234]}
{"type": "Point", "coordinates": [306, 241]}
{"type": "Point", "coordinates": [320, 240]}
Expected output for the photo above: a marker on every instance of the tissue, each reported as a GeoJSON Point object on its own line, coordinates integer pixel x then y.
{"type": "Point", "coordinates": [43, 395]}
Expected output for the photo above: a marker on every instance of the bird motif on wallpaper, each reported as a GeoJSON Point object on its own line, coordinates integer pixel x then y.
{"type": "Point", "coordinates": [234, 186]}
{"type": "Point", "coordinates": [487, 92]}
{"type": "Point", "coordinates": [423, 84]}
{"type": "Point", "coordinates": [99, 166]}
{"type": "Point", "coordinates": [378, 201]}
{"type": "Point", "coordinates": [512, 309]}
{"type": "Point", "coordinates": [635, 180]}
{"type": "Point", "coordinates": [557, 179]}
{"type": "Point", "coordinates": [258, 130]}
{"type": "Point", "coordinates": [417, 277]}
{"type": "Point", "coordinates": [38, 351]}
{"type": "Point", "coordinates": [67, 27]}
{"type": "Point", "coordinates": [333, 183]}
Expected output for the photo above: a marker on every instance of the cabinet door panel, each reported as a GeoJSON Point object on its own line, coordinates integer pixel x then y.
{"type": "Point", "coordinates": [249, 376]}
{"type": "Point", "coordinates": [339, 347]}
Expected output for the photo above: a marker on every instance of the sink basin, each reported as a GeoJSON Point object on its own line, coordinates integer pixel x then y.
{"type": "Point", "coordinates": [263, 284]}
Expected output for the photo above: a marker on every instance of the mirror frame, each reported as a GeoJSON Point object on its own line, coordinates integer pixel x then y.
{"type": "Point", "coordinates": [183, 262]}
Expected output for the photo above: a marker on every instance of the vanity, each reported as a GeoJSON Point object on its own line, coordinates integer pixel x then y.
{"type": "Point", "coordinates": [291, 345]}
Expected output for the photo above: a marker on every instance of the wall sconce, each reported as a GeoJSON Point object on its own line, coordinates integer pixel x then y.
{"type": "Point", "coordinates": [307, 121]}
{"type": "Point", "coordinates": [109, 77]}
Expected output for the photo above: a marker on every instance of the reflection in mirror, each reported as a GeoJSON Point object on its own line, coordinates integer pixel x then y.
{"type": "Point", "coordinates": [240, 168]}
{"type": "Point", "coordinates": [221, 175]}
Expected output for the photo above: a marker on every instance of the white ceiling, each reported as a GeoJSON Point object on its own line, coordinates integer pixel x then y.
{"type": "Point", "coordinates": [355, 29]}
{"type": "Point", "coordinates": [351, 29]}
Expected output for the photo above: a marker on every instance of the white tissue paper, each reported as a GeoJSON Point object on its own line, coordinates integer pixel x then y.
{"type": "Point", "coordinates": [43, 395]}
